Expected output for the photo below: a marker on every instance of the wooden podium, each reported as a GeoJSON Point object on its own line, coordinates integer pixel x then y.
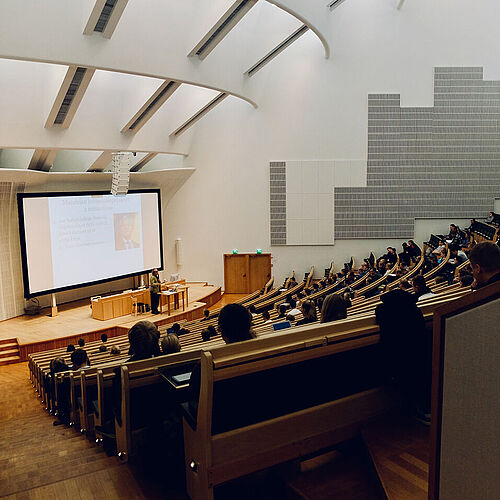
{"type": "Point", "coordinates": [246, 272]}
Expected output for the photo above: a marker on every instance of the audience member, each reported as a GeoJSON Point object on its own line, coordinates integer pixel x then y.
{"type": "Point", "coordinates": [407, 348]}
{"type": "Point", "coordinates": [205, 335]}
{"type": "Point", "coordinates": [235, 323]}
{"type": "Point", "coordinates": [282, 311]}
{"type": "Point", "coordinates": [290, 317]}
{"type": "Point", "coordinates": [143, 341]}
{"type": "Point", "coordinates": [79, 359]}
{"type": "Point", "coordinates": [81, 342]}
{"type": "Point", "coordinates": [70, 348]}
{"type": "Point", "coordinates": [212, 330]}
{"type": "Point", "coordinates": [414, 251]}
{"type": "Point", "coordinates": [104, 339]}
{"type": "Point", "coordinates": [490, 218]}
{"type": "Point", "coordinates": [334, 308]}
{"type": "Point", "coordinates": [293, 305]}
{"type": "Point", "coordinates": [206, 314]}
{"type": "Point", "coordinates": [466, 280]}
{"type": "Point", "coordinates": [420, 288]}
{"type": "Point", "coordinates": [308, 312]}
{"type": "Point", "coordinates": [485, 264]}
{"type": "Point", "coordinates": [170, 344]}
{"type": "Point", "coordinates": [266, 317]}
{"type": "Point", "coordinates": [115, 350]}
{"type": "Point", "coordinates": [405, 285]}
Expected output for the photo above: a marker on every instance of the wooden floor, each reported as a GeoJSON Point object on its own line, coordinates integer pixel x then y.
{"type": "Point", "coordinates": [399, 448]}
{"type": "Point", "coordinates": [40, 461]}
{"type": "Point", "coordinates": [75, 318]}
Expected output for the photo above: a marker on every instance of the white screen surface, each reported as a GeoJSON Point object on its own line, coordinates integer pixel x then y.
{"type": "Point", "coordinates": [78, 239]}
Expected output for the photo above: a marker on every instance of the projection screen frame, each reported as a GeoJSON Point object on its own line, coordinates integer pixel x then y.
{"type": "Point", "coordinates": [22, 238]}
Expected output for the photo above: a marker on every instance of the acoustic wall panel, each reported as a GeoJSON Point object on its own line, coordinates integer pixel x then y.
{"type": "Point", "coordinates": [277, 185]}
{"type": "Point", "coordinates": [441, 161]}
{"type": "Point", "coordinates": [11, 275]}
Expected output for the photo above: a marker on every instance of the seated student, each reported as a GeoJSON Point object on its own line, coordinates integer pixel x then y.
{"type": "Point", "coordinates": [206, 314]}
{"type": "Point", "coordinates": [439, 248]}
{"type": "Point", "coordinates": [420, 288]}
{"type": "Point", "coordinates": [143, 341]}
{"type": "Point", "coordinates": [466, 280]}
{"type": "Point", "coordinates": [104, 339]}
{"type": "Point", "coordinates": [266, 317]}
{"type": "Point", "coordinates": [252, 310]}
{"type": "Point", "coordinates": [404, 256]}
{"type": "Point", "coordinates": [81, 342]}
{"type": "Point", "coordinates": [290, 317]}
{"type": "Point", "coordinates": [374, 274]}
{"type": "Point", "coordinates": [212, 330]}
{"type": "Point", "coordinates": [115, 350]}
{"type": "Point", "coordinates": [490, 218]}
{"type": "Point", "coordinates": [176, 328]}
{"type": "Point", "coordinates": [170, 344]}
{"type": "Point", "coordinates": [308, 312]}
{"type": "Point", "coordinates": [414, 251]}
{"type": "Point", "coordinates": [293, 305]}
{"type": "Point", "coordinates": [282, 311]}
{"type": "Point", "coordinates": [404, 285]}
{"type": "Point", "coordinates": [235, 325]}
{"type": "Point", "coordinates": [374, 291]}
{"type": "Point", "coordinates": [79, 359]}
{"type": "Point", "coordinates": [70, 348]}
{"type": "Point", "coordinates": [485, 263]}
{"type": "Point", "coordinates": [205, 335]}
{"type": "Point", "coordinates": [334, 308]}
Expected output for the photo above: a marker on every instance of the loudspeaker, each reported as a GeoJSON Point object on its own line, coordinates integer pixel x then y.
{"type": "Point", "coordinates": [178, 251]}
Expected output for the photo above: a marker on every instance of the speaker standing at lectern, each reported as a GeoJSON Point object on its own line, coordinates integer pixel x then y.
{"type": "Point", "coordinates": [155, 288]}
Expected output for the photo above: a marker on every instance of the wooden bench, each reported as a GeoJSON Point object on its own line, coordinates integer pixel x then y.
{"type": "Point", "coordinates": [214, 455]}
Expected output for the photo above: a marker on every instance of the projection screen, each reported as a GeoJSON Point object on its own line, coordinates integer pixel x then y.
{"type": "Point", "coordinates": [69, 240]}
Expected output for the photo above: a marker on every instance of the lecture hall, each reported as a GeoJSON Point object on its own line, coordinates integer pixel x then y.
{"type": "Point", "coordinates": [249, 249]}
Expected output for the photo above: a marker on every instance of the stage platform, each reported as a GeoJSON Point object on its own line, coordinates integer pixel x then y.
{"type": "Point", "coordinates": [74, 320]}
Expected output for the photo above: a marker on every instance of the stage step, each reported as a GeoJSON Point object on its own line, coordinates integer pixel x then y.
{"type": "Point", "coordinates": [399, 448]}
{"type": "Point", "coordinates": [8, 361]}
{"type": "Point", "coordinates": [9, 352]}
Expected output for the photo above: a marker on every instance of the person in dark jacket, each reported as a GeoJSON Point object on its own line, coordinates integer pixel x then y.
{"type": "Point", "coordinates": [406, 347]}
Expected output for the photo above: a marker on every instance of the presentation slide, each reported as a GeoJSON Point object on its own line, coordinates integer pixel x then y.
{"type": "Point", "coordinates": [76, 239]}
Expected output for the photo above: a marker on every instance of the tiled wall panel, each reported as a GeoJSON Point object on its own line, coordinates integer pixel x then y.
{"type": "Point", "coordinates": [442, 161]}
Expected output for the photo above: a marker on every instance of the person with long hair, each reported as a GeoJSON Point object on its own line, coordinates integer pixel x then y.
{"type": "Point", "coordinates": [334, 308]}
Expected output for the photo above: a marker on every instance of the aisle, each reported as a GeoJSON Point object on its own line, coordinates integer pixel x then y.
{"type": "Point", "coordinates": [38, 460]}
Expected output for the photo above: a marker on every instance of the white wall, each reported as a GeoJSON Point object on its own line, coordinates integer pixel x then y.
{"type": "Point", "coordinates": [311, 108]}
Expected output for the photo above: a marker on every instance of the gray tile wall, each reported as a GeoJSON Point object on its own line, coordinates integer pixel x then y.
{"type": "Point", "coordinates": [442, 161]}
{"type": "Point", "coordinates": [277, 172]}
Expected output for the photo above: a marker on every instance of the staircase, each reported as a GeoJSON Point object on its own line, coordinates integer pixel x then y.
{"type": "Point", "coordinates": [9, 352]}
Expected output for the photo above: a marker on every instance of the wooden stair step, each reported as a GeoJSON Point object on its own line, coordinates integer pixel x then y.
{"type": "Point", "coordinates": [8, 352]}
{"type": "Point", "coordinates": [9, 360]}
{"type": "Point", "coordinates": [9, 345]}
{"type": "Point", "coordinates": [399, 448]}
{"type": "Point", "coordinates": [8, 341]}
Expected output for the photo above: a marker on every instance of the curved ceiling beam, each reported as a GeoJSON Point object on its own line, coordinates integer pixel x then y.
{"type": "Point", "coordinates": [294, 10]}
{"type": "Point", "coordinates": [125, 72]}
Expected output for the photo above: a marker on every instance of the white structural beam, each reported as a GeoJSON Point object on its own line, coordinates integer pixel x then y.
{"type": "Point", "coordinates": [138, 166]}
{"type": "Point", "coordinates": [198, 115]}
{"type": "Point", "coordinates": [102, 162]}
{"type": "Point", "coordinates": [104, 17]}
{"type": "Point", "coordinates": [69, 97]}
{"type": "Point", "coordinates": [277, 50]}
{"type": "Point", "coordinates": [152, 105]}
{"type": "Point", "coordinates": [42, 159]}
{"type": "Point", "coordinates": [221, 28]}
